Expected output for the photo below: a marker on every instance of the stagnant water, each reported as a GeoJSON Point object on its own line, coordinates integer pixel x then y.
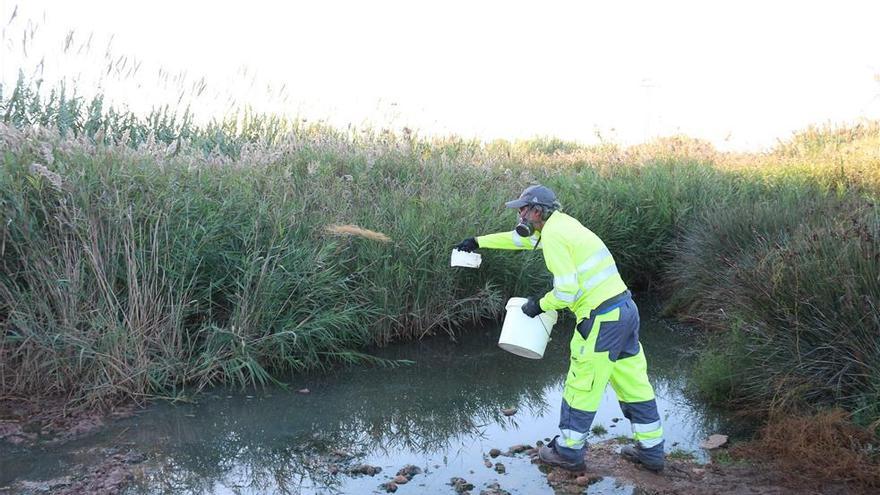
{"type": "Point", "coordinates": [442, 413]}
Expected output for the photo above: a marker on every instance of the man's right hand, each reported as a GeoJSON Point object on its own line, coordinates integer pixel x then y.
{"type": "Point", "coordinates": [468, 245]}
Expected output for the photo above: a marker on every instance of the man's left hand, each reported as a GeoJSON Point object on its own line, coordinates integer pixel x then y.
{"type": "Point", "coordinates": [532, 308]}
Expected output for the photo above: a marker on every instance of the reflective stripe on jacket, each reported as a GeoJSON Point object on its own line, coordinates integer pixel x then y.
{"type": "Point", "coordinates": [584, 272]}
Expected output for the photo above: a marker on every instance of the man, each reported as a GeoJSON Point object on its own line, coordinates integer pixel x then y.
{"type": "Point", "coordinates": [605, 346]}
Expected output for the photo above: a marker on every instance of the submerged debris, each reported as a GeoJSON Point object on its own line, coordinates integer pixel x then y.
{"type": "Point", "coordinates": [409, 471]}
{"type": "Point", "coordinates": [494, 489]}
{"type": "Point", "coordinates": [460, 485]}
{"type": "Point", "coordinates": [509, 412]}
{"type": "Point", "coordinates": [365, 469]}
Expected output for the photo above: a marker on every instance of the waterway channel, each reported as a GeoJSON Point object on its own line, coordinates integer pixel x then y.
{"type": "Point", "coordinates": [442, 413]}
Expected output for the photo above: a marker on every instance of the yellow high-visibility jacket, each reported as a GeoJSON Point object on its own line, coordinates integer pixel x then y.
{"type": "Point", "coordinates": [584, 272]}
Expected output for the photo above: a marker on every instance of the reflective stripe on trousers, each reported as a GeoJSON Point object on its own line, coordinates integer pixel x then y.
{"type": "Point", "coordinates": [589, 373]}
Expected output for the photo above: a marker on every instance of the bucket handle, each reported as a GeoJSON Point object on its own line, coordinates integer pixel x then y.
{"type": "Point", "coordinates": [545, 327]}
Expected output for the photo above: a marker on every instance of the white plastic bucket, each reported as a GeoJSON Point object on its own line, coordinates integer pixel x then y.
{"type": "Point", "coordinates": [463, 258]}
{"type": "Point", "coordinates": [524, 336]}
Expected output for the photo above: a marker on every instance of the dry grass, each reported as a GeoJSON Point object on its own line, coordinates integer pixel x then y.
{"type": "Point", "coordinates": [826, 447]}
{"type": "Point", "coordinates": [354, 230]}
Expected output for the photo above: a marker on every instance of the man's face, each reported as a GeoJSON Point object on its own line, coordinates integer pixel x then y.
{"type": "Point", "coordinates": [528, 213]}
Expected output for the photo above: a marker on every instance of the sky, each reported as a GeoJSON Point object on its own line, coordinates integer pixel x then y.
{"type": "Point", "coordinates": [741, 74]}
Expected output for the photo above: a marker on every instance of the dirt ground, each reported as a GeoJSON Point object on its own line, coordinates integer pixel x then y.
{"type": "Point", "coordinates": [685, 477]}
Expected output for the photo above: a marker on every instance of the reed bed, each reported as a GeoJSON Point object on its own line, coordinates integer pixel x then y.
{"type": "Point", "coordinates": [146, 256]}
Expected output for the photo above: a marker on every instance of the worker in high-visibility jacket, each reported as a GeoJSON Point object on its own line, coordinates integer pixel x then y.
{"type": "Point", "coordinates": [605, 346]}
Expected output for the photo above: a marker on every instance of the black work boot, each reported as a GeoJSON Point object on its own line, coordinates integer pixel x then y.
{"type": "Point", "coordinates": [634, 454]}
{"type": "Point", "coordinates": [549, 454]}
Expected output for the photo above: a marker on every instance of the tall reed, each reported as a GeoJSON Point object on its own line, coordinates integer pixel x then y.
{"type": "Point", "coordinates": [141, 255]}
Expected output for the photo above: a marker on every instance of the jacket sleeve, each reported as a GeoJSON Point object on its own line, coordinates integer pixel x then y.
{"type": "Point", "coordinates": [565, 281]}
{"type": "Point", "coordinates": [509, 240]}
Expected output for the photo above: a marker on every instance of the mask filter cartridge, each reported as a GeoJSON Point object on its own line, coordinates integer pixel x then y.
{"type": "Point", "coordinates": [524, 227]}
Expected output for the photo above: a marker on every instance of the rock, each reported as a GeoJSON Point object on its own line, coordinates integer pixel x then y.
{"type": "Point", "coordinates": [494, 489]}
{"type": "Point", "coordinates": [46, 486]}
{"type": "Point", "coordinates": [409, 471]}
{"type": "Point", "coordinates": [509, 411]}
{"type": "Point", "coordinates": [460, 485]}
{"type": "Point", "coordinates": [516, 449]}
{"type": "Point", "coordinates": [500, 469]}
{"type": "Point", "coordinates": [389, 487]}
{"type": "Point", "coordinates": [401, 479]}
{"type": "Point", "coordinates": [133, 457]}
{"type": "Point", "coordinates": [714, 442]}
{"type": "Point", "coordinates": [366, 469]}
{"type": "Point", "coordinates": [494, 453]}
{"type": "Point", "coordinates": [615, 420]}
{"type": "Point", "coordinates": [531, 452]}
{"type": "Point", "coordinates": [698, 471]}
{"type": "Point", "coordinates": [587, 480]}
{"type": "Point", "coordinates": [539, 444]}
{"type": "Point", "coordinates": [488, 463]}
{"type": "Point", "coordinates": [303, 391]}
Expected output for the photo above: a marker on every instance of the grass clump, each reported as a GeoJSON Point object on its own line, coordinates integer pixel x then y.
{"type": "Point", "coordinates": [598, 430]}
{"type": "Point", "coordinates": [825, 445]}
{"type": "Point", "coordinates": [680, 455]}
{"type": "Point", "coordinates": [800, 288]}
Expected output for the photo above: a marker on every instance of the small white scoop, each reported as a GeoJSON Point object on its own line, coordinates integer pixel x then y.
{"type": "Point", "coordinates": [463, 258]}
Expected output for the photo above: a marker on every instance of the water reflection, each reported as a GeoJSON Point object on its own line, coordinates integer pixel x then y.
{"type": "Point", "coordinates": [442, 414]}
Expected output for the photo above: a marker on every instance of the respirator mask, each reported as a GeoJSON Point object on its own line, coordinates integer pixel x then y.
{"type": "Point", "coordinates": [524, 227]}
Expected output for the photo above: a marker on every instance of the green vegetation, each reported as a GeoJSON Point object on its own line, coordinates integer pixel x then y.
{"type": "Point", "coordinates": [598, 430]}
{"type": "Point", "coordinates": [141, 255]}
{"type": "Point", "coordinates": [680, 455]}
{"type": "Point", "coordinates": [724, 457]}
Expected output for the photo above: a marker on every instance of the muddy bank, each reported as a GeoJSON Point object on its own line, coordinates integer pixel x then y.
{"type": "Point", "coordinates": [110, 475]}
{"type": "Point", "coordinates": [52, 420]}
{"type": "Point", "coordinates": [724, 475]}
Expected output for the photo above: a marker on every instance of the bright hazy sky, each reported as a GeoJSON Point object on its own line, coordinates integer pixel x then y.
{"type": "Point", "coordinates": [739, 73]}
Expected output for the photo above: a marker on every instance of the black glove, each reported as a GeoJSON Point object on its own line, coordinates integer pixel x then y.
{"type": "Point", "coordinates": [468, 245]}
{"type": "Point", "coordinates": [532, 308]}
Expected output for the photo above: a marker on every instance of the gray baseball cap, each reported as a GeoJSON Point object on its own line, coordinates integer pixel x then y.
{"type": "Point", "coordinates": [535, 195]}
